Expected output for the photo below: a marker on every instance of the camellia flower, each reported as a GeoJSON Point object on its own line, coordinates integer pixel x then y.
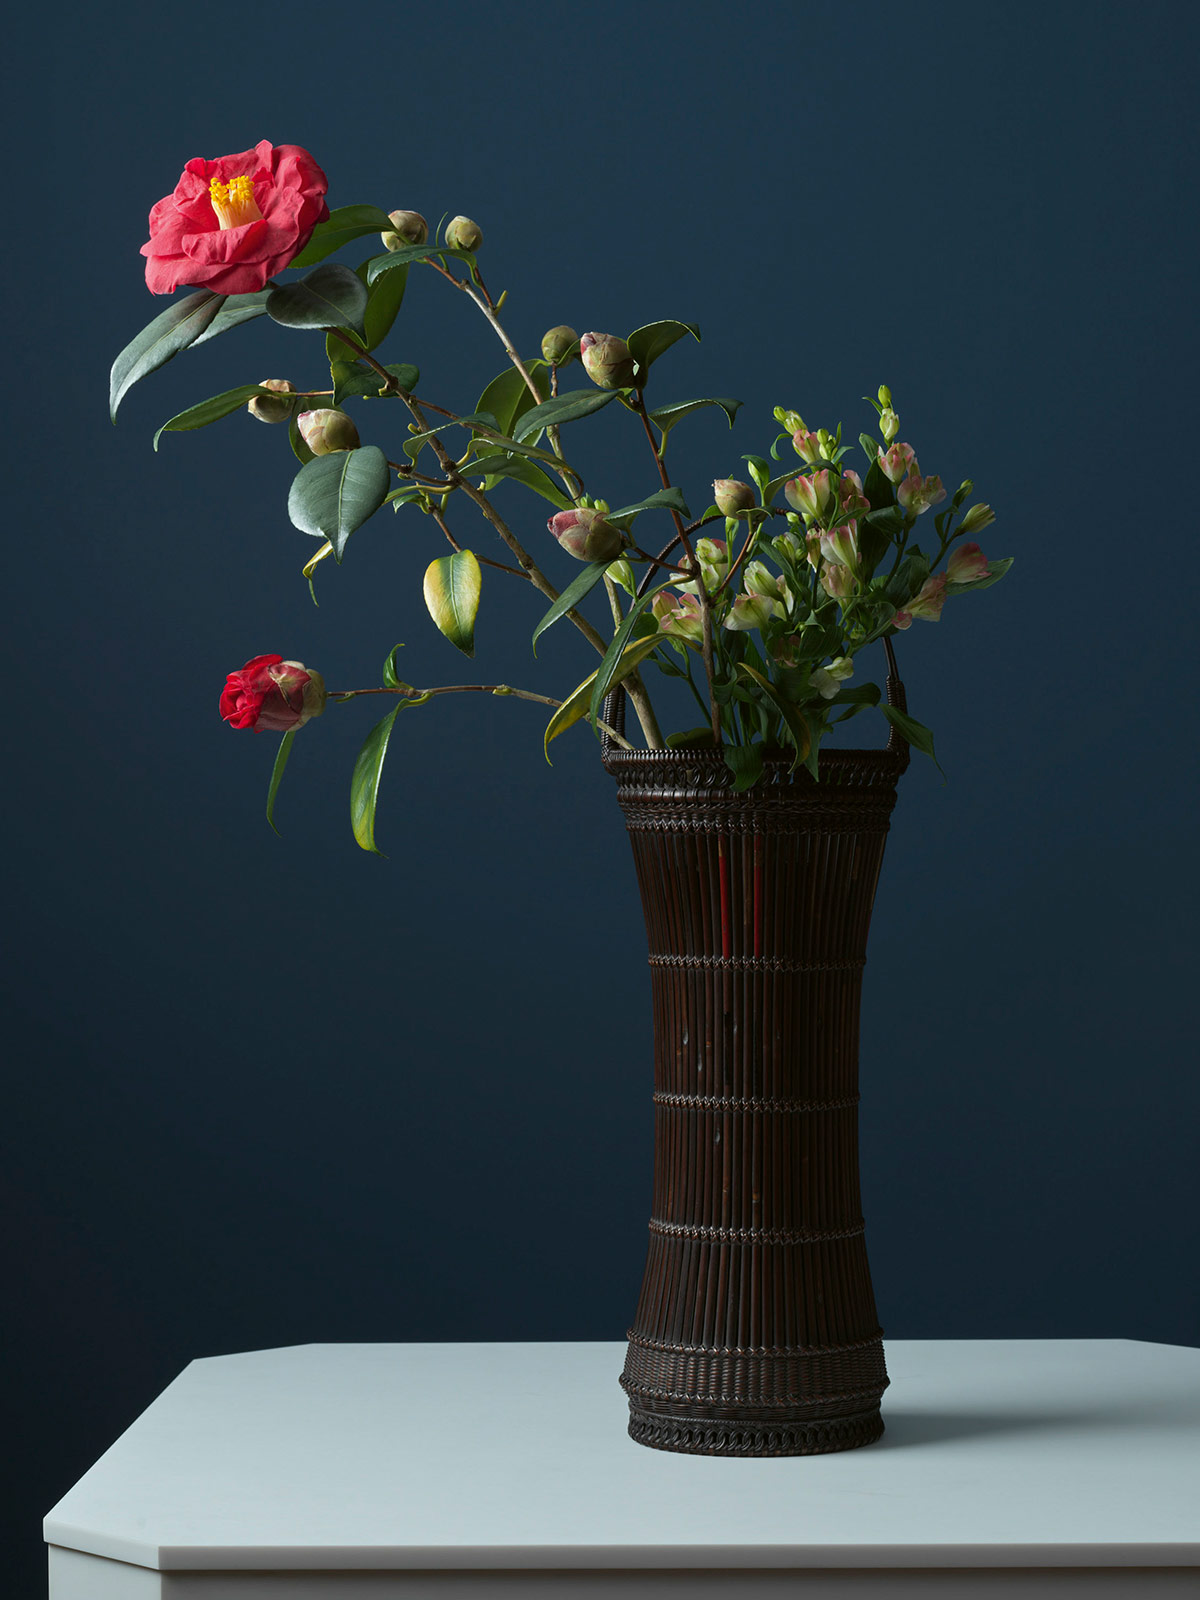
{"type": "Point", "coordinates": [584, 534]}
{"type": "Point", "coordinates": [917, 494]}
{"type": "Point", "coordinates": [232, 223]}
{"type": "Point", "coordinates": [272, 695]}
{"type": "Point", "coordinates": [927, 603]}
{"type": "Point", "coordinates": [678, 615]}
{"type": "Point", "coordinates": [967, 565]}
{"type": "Point", "coordinates": [828, 680]}
{"type": "Point", "coordinates": [897, 462]}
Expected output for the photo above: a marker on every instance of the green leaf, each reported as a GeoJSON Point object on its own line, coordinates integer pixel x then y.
{"type": "Point", "coordinates": [613, 654]}
{"type": "Point", "coordinates": [576, 704]}
{"type": "Point", "coordinates": [563, 408]}
{"type": "Point", "coordinates": [378, 265]}
{"type": "Point", "coordinates": [917, 734]}
{"type": "Point", "coordinates": [364, 783]}
{"type": "Point", "coordinates": [665, 417]}
{"type": "Point", "coordinates": [329, 297]}
{"type": "Point", "coordinates": [862, 694]}
{"type": "Point", "coordinates": [878, 488]}
{"type": "Point", "coordinates": [335, 494]}
{"type": "Point", "coordinates": [523, 471]}
{"type": "Point", "coordinates": [745, 761]}
{"type": "Point", "coordinates": [691, 739]}
{"type": "Point", "coordinates": [662, 499]}
{"type": "Point", "coordinates": [384, 299]}
{"type": "Point", "coordinates": [773, 485]}
{"type": "Point", "coordinates": [199, 416]}
{"type": "Point", "coordinates": [180, 325]}
{"type": "Point", "coordinates": [342, 225]}
{"type": "Point", "coordinates": [352, 379]}
{"type": "Point", "coordinates": [793, 721]}
{"type": "Point", "coordinates": [995, 571]}
{"type": "Point", "coordinates": [238, 308]}
{"type": "Point", "coordinates": [296, 439]}
{"type": "Point", "coordinates": [508, 396]}
{"type": "Point", "coordinates": [391, 679]}
{"type": "Point", "coordinates": [570, 597]}
{"type": "Point", "coordinates": [281, 760]}
{"type": "Point", "coordinates": [870, 448]}
{"type": "Point", "coordinates": [452, 585]}
{"type": "Point", "coordinates": [648, 343]}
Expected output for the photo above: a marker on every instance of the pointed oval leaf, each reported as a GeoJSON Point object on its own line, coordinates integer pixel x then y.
{"type": "Point", "coordinates": [522, 471]}
{"type": "Point", "coordinates": [662, 499]}
{"type": "Point", "coordinates": [327, 297]}
{"type": "Point", "coordinates": [452, 585]}
{"type": "Point", "coordinates": [648, 343]}
{"type": "Point", "coordinates": [221, 405]}
{"type": "Point", "coordinates": [238, 308]}
{"type": "Point", "coordinates": [180, 325]}
{"type": "Point", "coordinates": [384, 299]}
{"type": "Point", "coordinates": [570, 597]}
{"type": "Point", "coordinates": [335, 494]}
{"type": "Point", "coordinates": [575, 705]}
{"type": "Point", "coordinates": [364, 782]}
{"type": "Point", "coordinates": [413, 252]}
{"type": "Point", "coordinates": [281, 761]}
{"type": "Point", "coordinates": [916, 733]}
{"type": "Point", "coordinates": [665, 417]}
{"type": "Point", "coordinates": [508, 396]}
{"type": "Point", "coordinates": [793, 721]}
{"type": "Point", "coordinates": [342, 225]}
{"type": "Point", "coordinates": [604, 672]}
{"type": "Point", "coordinates": [563, 408]}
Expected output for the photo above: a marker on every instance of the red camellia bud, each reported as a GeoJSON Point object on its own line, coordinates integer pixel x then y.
{"type": "Point", "coordinates": [585, 534]}
{"type": "Point", "coordinates": [272, 694]}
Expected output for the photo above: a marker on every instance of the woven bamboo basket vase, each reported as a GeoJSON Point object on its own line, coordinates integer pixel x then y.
{"type": "Point", "coordinates": [756, 1332]}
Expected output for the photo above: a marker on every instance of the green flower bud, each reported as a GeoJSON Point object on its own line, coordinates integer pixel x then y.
{"type": "Point", "coordinates": [411, 228]}
{"type": "Point", "coordinates": [606, 360]}
{"type": "Point", "coordinates": [268, 409]}
{"type": "Point", "coordinates": [732, 496]}
{"type": "Point", "coordinates": [621, 572]}
{"type": "Point", "coordinates": [560, 346]}
{"type": "Point", "coordinates": [885, 396]}
{"type": "Point", "coordinates": [327, 431]}
{"type": "Point", "coordinates": [791, 420]}
{"type": "Point", "coordinates": [978, 517]}
{"type": "Point", "coordinates": [463, 234]}
{"type": "Point", "coordinates": [889, 424]}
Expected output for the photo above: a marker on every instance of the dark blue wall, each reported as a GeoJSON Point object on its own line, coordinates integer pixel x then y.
{"type": "Point", "coordinates": [264, 1091]}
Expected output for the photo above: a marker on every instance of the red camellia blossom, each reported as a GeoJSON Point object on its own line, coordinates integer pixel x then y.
{"type": "Point", "coordinates": [272, 694]}
{"type": "Point", "coordinates": [233, 222]}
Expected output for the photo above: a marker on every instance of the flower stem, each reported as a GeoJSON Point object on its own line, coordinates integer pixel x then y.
{"type": "Point", "coordinates": [499, 689]}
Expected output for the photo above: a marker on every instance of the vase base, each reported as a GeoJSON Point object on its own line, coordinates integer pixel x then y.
{"type": "Point", "coordinates": [711, 1436]}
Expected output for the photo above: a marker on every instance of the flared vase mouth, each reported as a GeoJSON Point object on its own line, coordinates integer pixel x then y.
{"type": "Point", "coordinates": [706, 769]}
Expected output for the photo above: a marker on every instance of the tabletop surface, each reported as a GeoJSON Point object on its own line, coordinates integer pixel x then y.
{"type": "Point", "coordinates": [997, 1453]}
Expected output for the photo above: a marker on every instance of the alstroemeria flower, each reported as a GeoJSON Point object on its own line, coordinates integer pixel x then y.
{"type": "Point", "coordinates": [232, 223]}
{"type": "Point", "coordinates": [810, 496]}
{"type": "Point", "coordinates": [917, 494]}
{"type": "Point", "coordinates": [806, 445]}
{"type": "Point", "coordinates": [678, 616]}
{"type": "Point", "coordinates": [967, 565]}
{"type": "Point", "coordinates": [897, 462]}
{"type": "Point", "coordinates": [837, 581]}
{"type": "Point", "coordinates": [927, 603]}
{"type": "Point", "coordinates": [752, 611]}
{"type": "Point", "coordinates": [839, 545]}
{"type": "Point", "coordinates": [828, 680]}
{"type": "Point", "coordinates": [851, 492]}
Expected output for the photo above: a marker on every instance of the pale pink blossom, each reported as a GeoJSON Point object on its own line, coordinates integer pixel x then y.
{"type": "Point", "coordinates": [967, 565]}
{"type": "Point", "coordinates": [839, 545]}
{"type": "Point", "coordinates": [897, 462]}
{"type": "Point", "coordinates": [851, 492]}
{"type": "Point", "coordinates": [917, 494]}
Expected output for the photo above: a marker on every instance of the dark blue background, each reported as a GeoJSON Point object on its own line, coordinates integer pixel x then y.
{"type": "Point", "coordinates": [269, 1091]}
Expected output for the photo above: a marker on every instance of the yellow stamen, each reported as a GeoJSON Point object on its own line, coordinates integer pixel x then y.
{"type": "Point", "coordinates": [234, 202]}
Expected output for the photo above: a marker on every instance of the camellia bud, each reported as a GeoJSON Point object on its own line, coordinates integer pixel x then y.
{"type": "Point", "coordinates": [410, 228]}
{"type": "Point", "coordinates": [889, 424]}
{"type": "Point", "coordinates": [977, 518]}
{"type": "Point", "coordinates": [606, 360]}
{"type": "Point", "coordinates": [897, 462]}
{"type": "Point", "coordinates": [463, 234]}
{"type": "Point", "coordinates": [828, 680]}
{"type": "Point", "coordinates": [272, 695]}
{"type": "Point", "coordinates": [560, 346]}
{"type": "Point", "coordinates": [265, 407]}
{"type": "Point", "coordinates": [326, 432]}
{"type": "Point", "coordinates": [732, 496]}
{"type": "Point", "coordinates": [967, 565]}
{"type": "Point", "coordinates": [584, 534]}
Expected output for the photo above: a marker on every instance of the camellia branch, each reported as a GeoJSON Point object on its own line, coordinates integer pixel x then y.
{"type": "Point", "coordinates": [407, 692]}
